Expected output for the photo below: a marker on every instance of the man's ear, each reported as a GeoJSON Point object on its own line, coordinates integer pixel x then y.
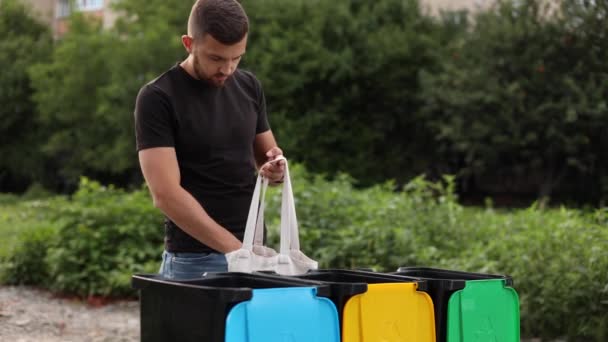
{"type": "Point", "coordinates": [187, 42]}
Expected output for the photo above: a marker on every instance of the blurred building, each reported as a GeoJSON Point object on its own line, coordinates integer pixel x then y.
{"type": "Point", "coordinates": [55, 12]}
{"type": "Point", "coordinates": [435, 6]}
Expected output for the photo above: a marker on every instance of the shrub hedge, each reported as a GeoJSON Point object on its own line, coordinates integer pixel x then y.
{"type": "Point", "coordinates": [91, 243]}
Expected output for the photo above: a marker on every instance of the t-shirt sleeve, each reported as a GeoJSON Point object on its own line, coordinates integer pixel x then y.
{"type": "Point", "coordinates": [153, 119]}
{"type": "Point", "coordinates": [262, 123]}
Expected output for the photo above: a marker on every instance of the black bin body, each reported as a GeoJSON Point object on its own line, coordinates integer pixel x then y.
{"type": "Point", "coordinates": [440, 285]}
{"type": "Point", "coordinates": [196, 309]}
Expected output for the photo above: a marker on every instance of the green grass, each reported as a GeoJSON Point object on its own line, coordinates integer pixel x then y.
{"type": "Point", "coordinates": [18, 216]}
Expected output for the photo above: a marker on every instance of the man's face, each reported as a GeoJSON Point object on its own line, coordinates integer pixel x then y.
{"type": "Point", "coordinates": [213, 61]}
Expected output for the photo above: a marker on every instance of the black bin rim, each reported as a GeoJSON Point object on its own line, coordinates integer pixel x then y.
{"type": "Point", "coordinates": [323, 289]}
{"type": "Point", "coordinates": [144, 280]}
{"type": "Point", "coordinates": [377, 277]}
{"type": "Point", "coordinates": [459, 278]}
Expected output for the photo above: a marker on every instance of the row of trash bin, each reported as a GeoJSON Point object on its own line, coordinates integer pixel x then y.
{"type": "Point", "coordinates": [412, 304]}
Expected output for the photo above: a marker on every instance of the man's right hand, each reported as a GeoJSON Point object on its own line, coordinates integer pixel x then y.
{"type": "Point", "coordinates": [273, 170]}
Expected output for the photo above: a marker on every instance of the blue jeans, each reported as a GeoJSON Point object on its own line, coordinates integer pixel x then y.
{"type": "Point", "coordinates": [191, 265]}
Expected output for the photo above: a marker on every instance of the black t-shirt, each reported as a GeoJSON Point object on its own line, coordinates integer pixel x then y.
{"type": "Point", "coordinates": [212, 130]}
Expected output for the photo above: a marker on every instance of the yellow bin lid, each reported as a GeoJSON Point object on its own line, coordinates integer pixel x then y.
{"type": "Point", "coordinates": [389, 312]}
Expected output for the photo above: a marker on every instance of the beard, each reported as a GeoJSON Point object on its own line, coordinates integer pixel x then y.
{"type": "Point", "coordinates": [198, 70]}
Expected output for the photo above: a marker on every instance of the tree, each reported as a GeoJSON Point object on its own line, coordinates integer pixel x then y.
{"type": "Point", "coordinates": [24, 41]}
{"type": "Point", "coordinates": [86, 91]}
{"type": "Point", "coordinates": [520, 105]}
{"type": "Point", "coordinates": [342, 83]}
{"type": "Point", "coordinates": [67, 93]}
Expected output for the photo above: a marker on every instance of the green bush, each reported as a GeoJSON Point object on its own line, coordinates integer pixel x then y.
{"type": "Point", "coordinates": [68, 93]}
{"type": "Point", "coordinates": [557, 256]}
{"type": "Point", "coordinates": [342, 85]}
{"type": "Point", "coordinates": [104, 236]}
{"type": "Point", "coordinates": [559, 263]}
{"type": "Point", "coordinates": [25, 263]}
{"type": "Point", "coordinates": [511, 100]}
{"type": "Point", "coordinates": [519, 103]}
{"type": "Point", "coordinates": [26, 234]}
{"type": "Point", "coordinates": [6, 198]}
{"type": "Point", "coordinates": [347, 227]}
{"type": "Point", "coordinates": [25, 41]}
{"type": "Point", "coordinates": [94, 74]}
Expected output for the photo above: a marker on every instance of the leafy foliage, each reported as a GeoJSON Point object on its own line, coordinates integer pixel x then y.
{"type": "Point", "coordinates": [26, 234]}
{"type": "Point", "coordinates": [68, 93]}
{"type": "Point", "coordinates": [557, 257]}
{"type": "Point", "coordinates": [24, 41]}
{"type": "Point", "coordinates": [90, 244]}
{"type": "Point", "coordinates": [86, 93]}
{"type": "Point", "coordinates": [512, 99]}
{"type": "Point", "coordinates": [344, 94]}
{"type": "Point", "coordinates": [105, 235]}
{"type": "Point", "coordinates": [520, 104]}
{"type": "Point", "coordinates": [26, 264]}
{"type": "Point", "coordinates": [93, 242]}
{"type": "Point", "coordinates": [557, 260]}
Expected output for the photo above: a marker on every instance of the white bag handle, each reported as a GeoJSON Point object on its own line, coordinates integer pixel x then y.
{"type": "Point", "coordinates": [289, 224]}
{"type": "Point", "coordinates": [255, 221]}
{"type": "Point", "coordinates": [251, 227]}
{"type": "Point", "coordinates": [259, 224]}
{"type": "Point", "coordinates": [253, 256]}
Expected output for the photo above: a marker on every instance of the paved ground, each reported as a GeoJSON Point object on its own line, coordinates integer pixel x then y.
{"type": "Point", "coordinates": [28, 314]}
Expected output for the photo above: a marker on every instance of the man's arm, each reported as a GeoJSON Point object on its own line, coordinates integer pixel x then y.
{"type": "Point", "coordinates": [161, 171]}
{"type": "Point", "coordinates": [265, 149]}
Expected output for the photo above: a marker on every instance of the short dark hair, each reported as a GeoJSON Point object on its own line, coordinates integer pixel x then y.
{"type": "Point", "coordinates": [224, 20]}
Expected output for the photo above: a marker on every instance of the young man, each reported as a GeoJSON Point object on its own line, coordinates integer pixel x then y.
{"type": "Point", "coordinates": [201, 132]}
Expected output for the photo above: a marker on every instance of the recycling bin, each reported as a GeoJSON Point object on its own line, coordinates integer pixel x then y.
{"type": "Point", "coordinates": [470, 306]}
{"type": "Point", "coordinates": [235, 307]}
{"type": "Point", "coordinates": [379, 307]}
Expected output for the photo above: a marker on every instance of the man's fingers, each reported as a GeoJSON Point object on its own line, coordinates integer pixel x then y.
{"type": "Point", "coordinates": [274, 172]}
{"type": "Point", "coordinates": [272, 177]}
{"type": "Point", "coordinates": [275, 165]}
{"type": "Point", "coordinates": [274, 169]}
{"type": "Point", "coordinates": [273, 152]}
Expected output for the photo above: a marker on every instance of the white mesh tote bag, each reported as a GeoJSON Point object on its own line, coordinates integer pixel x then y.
{"type": "Point", "coordinates": [253, 255]}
